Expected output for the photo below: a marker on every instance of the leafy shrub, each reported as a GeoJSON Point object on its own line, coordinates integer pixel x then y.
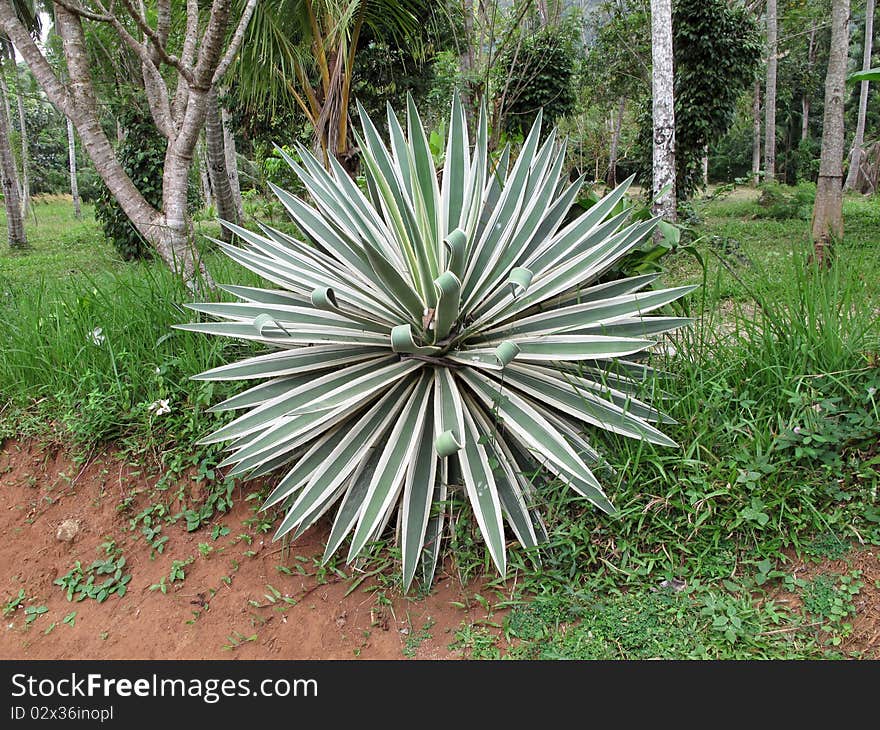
{"type": "Point", "coordinates": [538, 73]}
{"type": "Point", "coordinates": [142, 153]}
{"type": "Point", "coordinates": [836, 427]}
{"type": "Point", "coordinates": [436, 337]}
{"type": "Point", "coordinates": [782, 202]}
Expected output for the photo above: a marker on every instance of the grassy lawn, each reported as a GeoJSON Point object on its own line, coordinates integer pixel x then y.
{"type": "Point", "coordinates": [777, 423]}
{"type": "Point", "coordinates": [61, 246]}
{"type": "Point", "coordinates": [760, 248]}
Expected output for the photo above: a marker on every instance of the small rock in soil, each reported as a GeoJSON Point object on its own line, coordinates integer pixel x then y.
{"type": "Point", "coordinates": [67, 530]}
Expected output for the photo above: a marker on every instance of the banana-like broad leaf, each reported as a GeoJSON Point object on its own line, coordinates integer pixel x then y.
{"type": "Point", "coordinates": [437, 332]}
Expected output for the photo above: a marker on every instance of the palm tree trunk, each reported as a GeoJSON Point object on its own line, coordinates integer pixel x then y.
{"type": "Point", "coordinates": [9, 175]}
{"type": "Point", "coordinates": [4, 89]}
{"type": "Point", "coordinates": [71, 159]}
{"type": "Point", "coordinates": [231, 162]}
{"type": "Point", "coordinates": [859, 138]}
{"type": "Point", "coordinates": [25, 152]}
{"type": "Point", "coordinates": [611, 179]}
{"type": "Point", "coordinates": [207, 194]}
{"type": "Point", "coordinates": [756, 134]}
{"type": "Point", "coordinates": [770, 95]}
{"type": "Point", "coordinates": [805, 99]}
{"type": "Point", "coordinates": [663, 109]}
{"type": "Point", "coordinates": [828, 208]}
{"type": "Point", "coordinates": [216, 159]}
{"type": "Point", "coordinates": [10, 126]}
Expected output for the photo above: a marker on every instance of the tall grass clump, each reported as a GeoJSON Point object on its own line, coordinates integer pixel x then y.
{"type": "Point", "coordinates": [96, 355]}
{"type": "Point", "coordinates": [777, 414]}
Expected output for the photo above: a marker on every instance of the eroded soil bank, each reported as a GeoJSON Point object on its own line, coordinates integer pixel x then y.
{"type": "Point", "coordinates": [241, 595]}
{"type": "Point", "coordinates": [225, 590]}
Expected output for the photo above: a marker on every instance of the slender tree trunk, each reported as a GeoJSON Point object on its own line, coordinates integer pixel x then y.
{"type": "Point", "coordinates": [615, 143]}
{"type": "Point", "coordinates": [14, 218]}
{"type": "Point", "coordinates": [216, 159]}
{"type": "Point", "coordinates": [756, 134]}
{"type": "Point", "coordinates": [705, 162]}
{"type": "Point", "coordinates": [205, 179]}
{"type": "Point", "coordinates": [71, 161]}
{"type": "Point", "coordinates": [4, 89]}
{"type": "Point", "coordinates": [10, 126]}
{"type": "Point", "coordinates": [25, 151]}
{"type": "Point", "coordinates": [805, 117]}
{"type": "Point", "coordinates": [828, 208]}
{"type": "Point", "coordinates": [770, 95]}
{"type": "Point", "coordinates": [232, 163]}
{"type": "Point", "coordinates": [805, 99]}
{"type": "Point", "coordinates": [663, 109]}
{"type": "Point", "coordinates": [859, 138]}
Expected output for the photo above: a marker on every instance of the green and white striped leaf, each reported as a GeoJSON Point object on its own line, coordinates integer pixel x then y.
{"type": "Point", "coordinates": [482, 492]}
{"type": "Point", "coordinates": [436, 332]}
{"type": "Point", "coordinates": [448, 414]}
{"type": "Point", "coordinates": [418, 496]}
{"type": "Point", "coordinates": [389, 475]}
{"type": "Point", "coordinates": [347, 454]}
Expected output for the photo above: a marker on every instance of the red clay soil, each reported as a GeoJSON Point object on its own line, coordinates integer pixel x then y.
{"type": "Point", "coordinates": [41, 488]}
{"type": "Point", "coordinates": [863, 640]}
{"type": "Point", "coordinates": [221, 609]}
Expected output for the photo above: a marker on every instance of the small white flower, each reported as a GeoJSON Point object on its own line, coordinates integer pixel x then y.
{"type": "Point", "coordinates": [159, 407]}
{"type": "Point", "coordinates": [797, 429]}
{"type": "Point", "coordinates": [158, 371]}
{"type": "Point", "coordinates": [871, 391]}
{"type": "Point", "coordinates": [97, 336]}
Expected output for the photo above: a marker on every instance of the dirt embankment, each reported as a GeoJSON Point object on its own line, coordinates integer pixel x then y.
{"type": "Point", "coordinates": [241, 595]}
{"type": "Point", "coordinates": [234, 592]}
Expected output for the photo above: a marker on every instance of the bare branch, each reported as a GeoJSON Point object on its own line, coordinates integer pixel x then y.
{"type": "Point", "coordinates": [154, 39]}
{"type": "Point", "coordinates": [211, 45]}
{"type": "Point", "coordinates": [157, 97]}
{"type": "Point", "coordinates": [163, 25]}
{"type": "Point", "coordinates": [236, 41]}
{"type": "Point", "coordinates": [78, 9]}
{"type": "Point", "coordinates": [187, 56]}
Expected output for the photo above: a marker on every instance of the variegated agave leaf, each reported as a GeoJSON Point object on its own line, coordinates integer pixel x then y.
{"type": "Point", "coordinates": [428, 332]}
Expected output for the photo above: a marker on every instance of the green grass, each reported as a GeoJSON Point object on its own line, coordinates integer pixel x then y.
{"type": "Point", "coordinates": [695, 623]}
{"type": "Point", "coordinates": [61, 246]}
{"type": "Point", "coordinates": [88, 344]}
{"type": "Point", "coordinates": [774, 390]}
{"type": "Point", "coordinates": [760, 249]}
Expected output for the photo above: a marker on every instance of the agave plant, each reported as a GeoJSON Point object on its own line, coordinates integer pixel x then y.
{"type": "Point", "coordinates": [429, 334]}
